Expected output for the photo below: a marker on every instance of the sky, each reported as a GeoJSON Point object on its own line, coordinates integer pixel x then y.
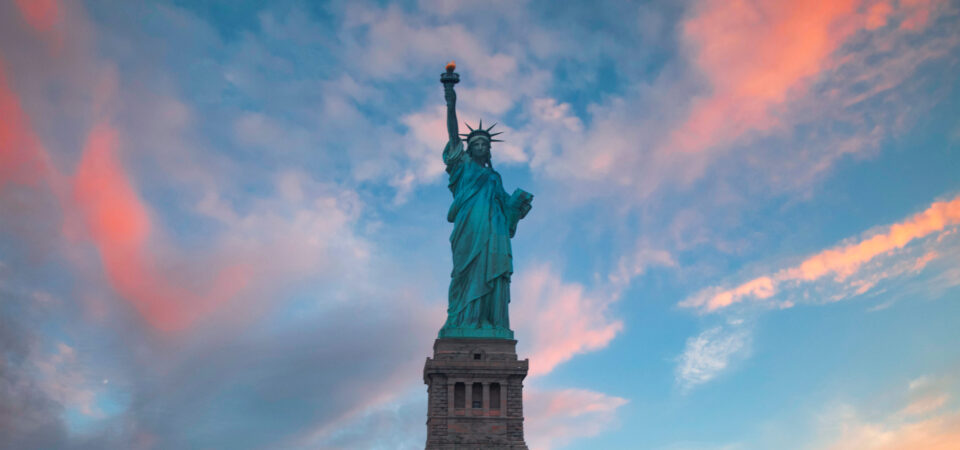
{"type": "Point", "coordinates": [222, 224]}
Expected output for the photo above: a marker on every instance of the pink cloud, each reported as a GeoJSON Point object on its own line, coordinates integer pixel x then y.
{"type": "Point", "coordinates": [23, 159]}
{"type": "Point", "coordinates": [556, 417]}
{"type": "Point", "coordinates": [785, 72]}
{"type": "Point", "coordinates": [42, 15]}
{"type": "Point", "coordinates": [118, 222]}
{"type": "Point", "coordinates": [111, 214]}
{"type": "Point", "coordinates": [758, 55]}
{"type": "Point", "coordinates": [557, 320]}
{"type": "Point", "coordinates": [100, 204]}
{"type": "Point", "coordinates": [45, 17]}
{"type": "Point", "coordinates": [755, 54]}
{"type": "Point", "coordinates": [843, 261]}
{"type": "Point", "coordinates": [877, 14]}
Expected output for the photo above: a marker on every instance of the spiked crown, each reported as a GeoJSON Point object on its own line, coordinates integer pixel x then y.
{"type": "Point", "coordinates": [480, 132]}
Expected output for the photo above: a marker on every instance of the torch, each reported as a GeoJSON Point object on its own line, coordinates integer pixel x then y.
{"type": "Point", "coordinates": [450, 78]}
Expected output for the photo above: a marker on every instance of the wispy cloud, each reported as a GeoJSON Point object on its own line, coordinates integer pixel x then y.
{"type": "Point", "coordinates": [840, 263]}
{"type": "Point", "coordinates": [926, 404]}
{"type": "Point", "coordinates": [712, 352]}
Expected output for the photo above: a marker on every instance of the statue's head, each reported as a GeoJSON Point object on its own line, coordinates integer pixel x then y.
{"type": "Point", "coordinates": [478, 143]}
{"type": "Point", "coordinates": [479, 149]}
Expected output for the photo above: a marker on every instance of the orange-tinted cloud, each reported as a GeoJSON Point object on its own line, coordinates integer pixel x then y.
{"type": "Point", "coordinates": [937, 433]}
{"type": "Point", "coordinates": [926, 422]}
{"type": "Point", "coordinates": [757, 55]}
{"type": "Point", "coordinates": [42, 15]}
{"type": "Point", "coordinates": [754, 54]}
{"type": "Point", "coordinates": [845, 260]}
{"type": "Point", "coordinates": [118, 222]}
{"type": "Point", "coordinates": [23, 160]}
{"type": "Point", "coordinates": [840, 262]}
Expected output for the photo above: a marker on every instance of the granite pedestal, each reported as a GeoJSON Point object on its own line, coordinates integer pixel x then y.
{"type": "Point", "coordinates": [475, 389]}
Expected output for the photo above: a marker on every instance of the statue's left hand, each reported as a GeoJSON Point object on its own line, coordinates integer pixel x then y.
{"type": "Point", "coordinates": [525, 208]}
{"type": "Point", "coordinates": [521, 201]}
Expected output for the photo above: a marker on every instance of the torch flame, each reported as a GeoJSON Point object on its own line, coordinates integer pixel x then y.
{"type": "Point", "coordinates": [451, 66]}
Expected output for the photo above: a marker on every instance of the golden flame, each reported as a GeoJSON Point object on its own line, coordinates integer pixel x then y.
{"type": "Point", "coordinates": [451, 66]}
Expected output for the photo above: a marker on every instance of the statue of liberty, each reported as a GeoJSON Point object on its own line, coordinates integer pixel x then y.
{"type": "Point", "coordinates": [484, 219]}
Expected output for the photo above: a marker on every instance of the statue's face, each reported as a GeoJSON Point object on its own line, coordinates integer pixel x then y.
{"type": "Point", "coordinates": [479, 149]}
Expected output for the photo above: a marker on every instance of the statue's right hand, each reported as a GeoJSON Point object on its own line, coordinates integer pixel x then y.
{"type": "Point", "coordinates": [450, 95]}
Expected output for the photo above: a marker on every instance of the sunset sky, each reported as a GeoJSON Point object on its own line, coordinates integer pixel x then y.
{"type": "Point", "coordinates": [222, 224]}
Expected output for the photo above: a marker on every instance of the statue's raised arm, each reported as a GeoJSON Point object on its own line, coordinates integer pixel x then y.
{"type": "Point", "coordinates": [449, 79]}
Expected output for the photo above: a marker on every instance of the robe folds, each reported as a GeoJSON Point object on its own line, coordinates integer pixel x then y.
{"type": "Point", "coordinates": [483, 223]}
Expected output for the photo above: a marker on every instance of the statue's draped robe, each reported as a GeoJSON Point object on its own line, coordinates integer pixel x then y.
{"type": "Point", "coordinates": [483, 224]}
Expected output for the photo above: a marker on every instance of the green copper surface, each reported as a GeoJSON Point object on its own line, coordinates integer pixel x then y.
{"type": "Point", "coordinates": [484, 219]}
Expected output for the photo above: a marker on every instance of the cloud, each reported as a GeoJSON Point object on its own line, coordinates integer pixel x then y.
{"type": "Point", "coordinates": [486, 101]}
{"type": "Point", "coordinates": [399, 44]}
{"type": "Point", "coordinates": [555, 320]}
{"type": "Point", "coordinates": [556, 417]}
{"type": "Point", "coordinates": [747, 106]}
{"type": "Point", "coordinates": [842, 262]}
{"type": "Point", "coordinates": [711, 353]}
{"type": "Point", "coordinates": [44, 382]}
{"type": "Point", "coordinates": [924, 423]}
{"type": "Point", "coordinates": [61, 378]}
{"type": "Point", "coordinates": [926, 404]}
{"type": "Point", "coordinates": [258, 252]}
{"type": "Point", "coordinates": [118, 223]}
{"type": "Point", "coordinates": [42, 15]}
{"type": "Point", "coordinates": [23, 159]}
{"type": "Point", "coordinates": [750, 54]}
{"type": "Point", "coordinates": [940, 433]}
{"type": "Point", "coordinates": [427, 136]}
{"type": "Point", "coordinates": [29, 417]}
{"type": "Point", "coordinates": [290, 386]}
{"type": "Point", "coordinates": [99, 202]}
{"type": "Point", "coordinates": [635, 264]}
